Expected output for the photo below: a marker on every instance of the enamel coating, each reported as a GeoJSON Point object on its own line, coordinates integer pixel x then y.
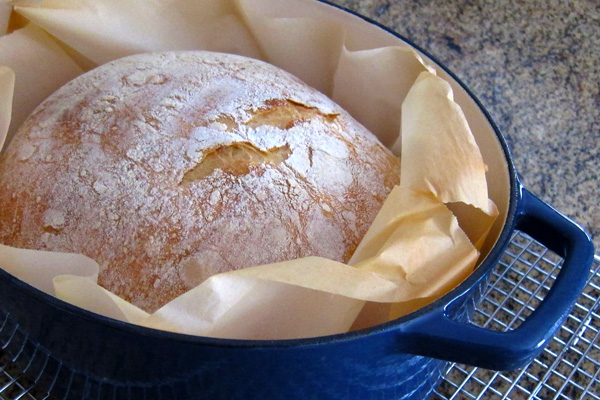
{"type": "Point", "coordinates": [80, 355]}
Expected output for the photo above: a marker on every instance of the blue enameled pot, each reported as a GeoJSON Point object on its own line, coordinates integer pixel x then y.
{"type": "Point", "coordinates": [77, 354]}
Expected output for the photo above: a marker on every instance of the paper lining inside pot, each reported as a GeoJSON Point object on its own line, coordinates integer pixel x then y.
{"type": "Point", "coordinates": [416, 249]}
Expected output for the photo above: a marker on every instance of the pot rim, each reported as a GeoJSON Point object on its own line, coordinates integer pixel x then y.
{"type": "Point", "coordinates": [485, 266]}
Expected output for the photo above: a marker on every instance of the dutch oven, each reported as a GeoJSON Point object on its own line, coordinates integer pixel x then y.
{"type": "Point", "coordinates": [74, 353]}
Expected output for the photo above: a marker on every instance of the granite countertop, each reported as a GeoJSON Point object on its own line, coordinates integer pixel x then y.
{"type": "Point", "coordinates": [534, 65]}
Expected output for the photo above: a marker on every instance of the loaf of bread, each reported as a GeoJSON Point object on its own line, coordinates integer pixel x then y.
{"type": "Point", "coordinates": [167, 168]}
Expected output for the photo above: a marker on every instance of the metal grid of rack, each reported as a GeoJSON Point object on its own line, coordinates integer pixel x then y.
{"type": "Point", "coordinates": [569, 367]}
{"type": "Point", "coordinates": [14, 385]}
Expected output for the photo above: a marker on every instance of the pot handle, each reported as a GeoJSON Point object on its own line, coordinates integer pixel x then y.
{"type": "Point", "coordinates": [436, 335]}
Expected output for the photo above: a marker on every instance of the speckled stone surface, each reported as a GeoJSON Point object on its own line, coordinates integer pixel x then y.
{"type": "Point", "coordinates": [535, 66]}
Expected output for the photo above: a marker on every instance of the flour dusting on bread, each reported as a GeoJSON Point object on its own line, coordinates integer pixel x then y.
{"type": "Point", "coordinates": [167, 168]}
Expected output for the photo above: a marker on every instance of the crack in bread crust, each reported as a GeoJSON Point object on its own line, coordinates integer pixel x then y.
{"type": "Point", "coordinates": [236, 159]}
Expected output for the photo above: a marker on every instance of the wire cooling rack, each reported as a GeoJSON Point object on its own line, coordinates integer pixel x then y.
{"type": "Point", "coordinates": [569, 367]}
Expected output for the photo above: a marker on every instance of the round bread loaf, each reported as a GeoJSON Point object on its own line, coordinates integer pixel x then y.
{"type": "Point", "coordinates": [167, 168]}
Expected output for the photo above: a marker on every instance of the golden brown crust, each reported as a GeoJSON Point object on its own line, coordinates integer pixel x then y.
{"type": "Point", "coordinates": [167, 168]}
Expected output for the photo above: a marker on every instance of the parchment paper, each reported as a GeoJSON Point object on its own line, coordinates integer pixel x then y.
{"type": "Point", "coordinates": [5, 11]}
{"type": "Point", "coordinates": [416, 249]}
{"type": "Point", "coordinates": [7, 85]}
